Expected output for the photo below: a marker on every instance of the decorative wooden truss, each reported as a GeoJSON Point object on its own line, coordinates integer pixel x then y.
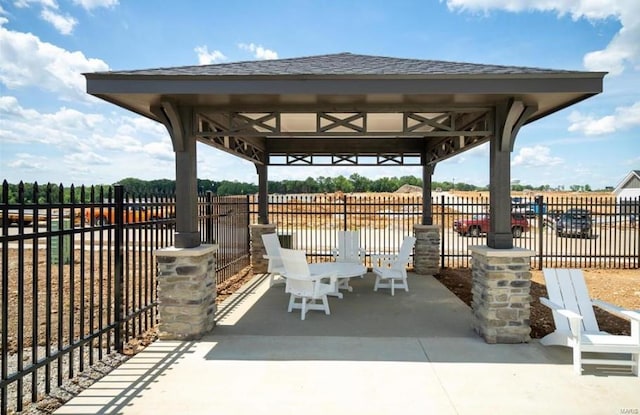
{"type": "Point", "coordinates": [382, 136]}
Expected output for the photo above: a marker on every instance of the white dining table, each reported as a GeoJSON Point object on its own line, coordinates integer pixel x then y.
{"type": "Point", "coordinates": [343, 271]}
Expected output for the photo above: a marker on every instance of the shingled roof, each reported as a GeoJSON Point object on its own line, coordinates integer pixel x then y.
{"type": "Point", "coordinates": [341, 109]}
{"type": "Point", "coordinates": [341, 64]}
{"type": "Point", "coordinates": [344, 81]}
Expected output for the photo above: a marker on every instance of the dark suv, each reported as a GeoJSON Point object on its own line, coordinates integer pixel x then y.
{"type": "Point", "coordinates": [479, 224]}
{"type": "Point", "coordinates": [574, 222]}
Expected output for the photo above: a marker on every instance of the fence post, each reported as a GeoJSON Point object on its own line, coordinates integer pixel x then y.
{"type": "Point", "coordinates": [444, 229]}
{"type": "Point", "coordinates": [4, 307]}
{"type": "Point", "coordinates": [344, 211]}
{"type": "Point", "coordinates": [210, 223]}
{"type": "Point", "coordinates": [248, 234]}
{"type": "Point", "coordinates": [118, 272]}
{"type": "Point", "coordinates": [539, 216]}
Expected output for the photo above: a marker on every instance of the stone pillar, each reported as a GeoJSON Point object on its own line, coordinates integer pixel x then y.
{"type": "Point", "coordinates": [501, 293]}
{"type": "Point", "coordinates": [186, 291]}
{"type": "Point", "coordinates": [426, 257]}
{"type": "Point", "coordinates": [258, 263]}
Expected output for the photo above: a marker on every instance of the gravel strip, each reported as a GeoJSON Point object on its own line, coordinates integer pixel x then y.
{"type": "Point", "coordinates": [47, 404]}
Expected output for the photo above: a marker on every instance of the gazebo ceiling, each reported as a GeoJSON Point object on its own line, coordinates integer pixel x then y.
{"type": "Point", "coordinates": [343, 108]}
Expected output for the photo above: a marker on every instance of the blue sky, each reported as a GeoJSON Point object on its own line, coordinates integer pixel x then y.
{"type": "Point", "coordinates": [52, 131]}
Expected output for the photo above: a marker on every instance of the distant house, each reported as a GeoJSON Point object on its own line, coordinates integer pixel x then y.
{"type": "Point", "coordinates": [628, 194]}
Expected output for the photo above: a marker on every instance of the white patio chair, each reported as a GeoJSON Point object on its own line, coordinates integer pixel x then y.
{"type": "Point", "coordinates": [305, 286]}
{"type": "Point", "coordinates": [349, 249]}
{"type": "Point", "coordinates": [391, 270]}
{"type": "Point", "coordinates": [275, 268]}
{"type": "Point", "coordinates": [576, 324]}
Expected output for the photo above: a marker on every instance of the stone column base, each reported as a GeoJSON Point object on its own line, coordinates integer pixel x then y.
{"type": "Point", "coordinates": [186, 291]}
{"type": "Point", "coordinates": [501, 294]}
{"type": "Point", "coordinates": [258, 263]}
{"type": "Point", "coordinates": [426, 257]}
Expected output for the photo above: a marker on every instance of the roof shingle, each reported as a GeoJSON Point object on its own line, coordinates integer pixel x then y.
{"type": "Point", "coordinates": [340, 64]}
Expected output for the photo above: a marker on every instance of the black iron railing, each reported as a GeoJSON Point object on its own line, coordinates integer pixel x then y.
{"type": "Point", "coordinates": [224, 220]}
{"type": "Point", "coordinates": [79, 276]}
{"type": "Point", "coordinates": [311, 222]}
{"type": "Point", "coordinates": [78, 273]}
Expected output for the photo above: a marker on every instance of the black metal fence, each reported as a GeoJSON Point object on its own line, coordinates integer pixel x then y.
{"type": "Point", "coordinates": [311, 222]}
{"type": "Point", "coordinates": [79, 277]}
{"type": "Point", "coordinates": [225, 220]}
{"type": "Point", "coordinates": [610, 238]}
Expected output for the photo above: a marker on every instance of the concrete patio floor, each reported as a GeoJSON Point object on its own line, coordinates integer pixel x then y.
{"type": "Point", "coordinates": [414, 353]}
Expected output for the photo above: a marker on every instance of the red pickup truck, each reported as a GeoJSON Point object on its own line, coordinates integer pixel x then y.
{"type": "Point", "coordinates": [479, 224]}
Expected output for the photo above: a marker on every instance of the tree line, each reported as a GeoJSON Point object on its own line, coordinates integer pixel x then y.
{"type": "Point", "coordinates": [355, 183]}
{"type": "Point", "coordinates": [352, 184]}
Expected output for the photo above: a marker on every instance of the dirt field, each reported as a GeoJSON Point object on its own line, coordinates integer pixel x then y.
{"type": "Point", "coordinates": [619, 287]}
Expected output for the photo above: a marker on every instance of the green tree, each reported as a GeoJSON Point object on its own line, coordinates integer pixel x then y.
{"type": "Point", "coordinates": [310, 186]}
{"type": "Point", "coordinates": [385, 184]}
{"type": "Point", "coordinates": [325, 184]}
{"type": "Point", "coordinates": [360, 183]}
{"type": "Point", "coordinates": [411, 180]}
{"type": "Point", "coordinates": [343, 185]}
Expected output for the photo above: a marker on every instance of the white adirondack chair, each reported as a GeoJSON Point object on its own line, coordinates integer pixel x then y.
{"type": "Point", "coordinates": [349, 249]}
{"type": "Point", "coordinates": [391, 270]}
{"type": "Point", "coordinates": [576, 324]}
{"type": "Point", "coordinates": [275, 268]}
{"type": "Point", "coordinates": [305, 286]}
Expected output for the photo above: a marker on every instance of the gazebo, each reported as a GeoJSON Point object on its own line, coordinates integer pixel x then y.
{"type": "Point", "coordinates": [349, 109]}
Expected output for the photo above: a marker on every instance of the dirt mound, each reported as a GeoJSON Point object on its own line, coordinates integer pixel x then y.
{"type": "Point", "coordinates": [408, 188]}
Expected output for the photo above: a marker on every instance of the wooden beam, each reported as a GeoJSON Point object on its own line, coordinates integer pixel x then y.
{"type": "Point", "coordinates": [336, 145]}
{"type": "Point", "coordinates": [169, 114]}
{"type": "Point", "coordinates": [516, 114]}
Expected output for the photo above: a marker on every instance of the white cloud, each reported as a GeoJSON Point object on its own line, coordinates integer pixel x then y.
{"type": "Point", "coordinates": [63, 24]}
{"type": "Point", "coordinates": [85, 158]}
{"type": "Point", "coordinates": [94, 4]}
{"type": "Point", "coordinates": [26, 61]}
{"type": "Point", "coordinates": [24, 161]}
{"type": "Point", "coordinates": [258, 51]}
{"type": "Point", "coordinates": [67, 127]}
{"type": "Point", "coordinates": [70, 130]}
{"type": "Point", "coordinates": [589, 125]}
{"type": "Point", "coordinates": [116, 142]}
{"type": "Point", "coordinates": [478, 152]}
{"type": "Point", "coordinates": [69, 145]}
{"type": "Point", "coordinates": [205, 57]}
{"type": "Point", "coordinates": [622, 50]}
{"type": "Point", "coordinates": [52, 4]}
{"type": "Point", "coordinates": [536, 156]}
{"type": "Point", "coordinates": [136, 135]}
{"type": "Point", "coordinates": [160, 150]}
{"type": "Point", "coordinates": [49, 13]}
{"type": "Point", "coordinates": [623, 119]}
